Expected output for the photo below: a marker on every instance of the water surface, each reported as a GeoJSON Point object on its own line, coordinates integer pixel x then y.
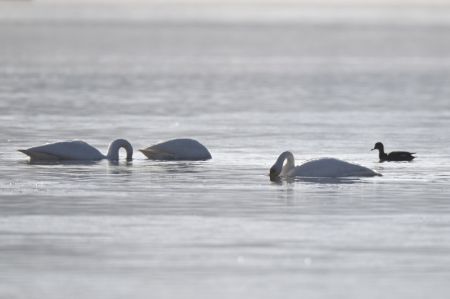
{"type": "Point", "coordinates": [248, 88]}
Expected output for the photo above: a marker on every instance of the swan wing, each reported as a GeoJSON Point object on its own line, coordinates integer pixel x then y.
{"type": "Point", "coordinates": [67, 150]}
{"type": "Point", "coordinates": [156, 154]}
{"type": "Point", "coordinates": [35, 155]}
{"type": "Point", "coordinates": [330, 167]}
{"type": "Point", "coordinates": [177, 149]}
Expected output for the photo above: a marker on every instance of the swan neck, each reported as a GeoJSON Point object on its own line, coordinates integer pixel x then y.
{"type": "Point", "coordinates": [116, 145]}
{"type": "Point", "coordinates": [290, 163]}
{"type": "Point", "coordinates": [278, 168]}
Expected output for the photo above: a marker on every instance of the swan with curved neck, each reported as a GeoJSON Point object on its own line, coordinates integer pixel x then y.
{"type": "Point", "coordinates": [77, 151]}
{"type": "Point", "coordinates": [324, 167]}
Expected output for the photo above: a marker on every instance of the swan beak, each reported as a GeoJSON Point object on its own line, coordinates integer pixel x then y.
{"type": "Point", "coordinates": [372, 149]}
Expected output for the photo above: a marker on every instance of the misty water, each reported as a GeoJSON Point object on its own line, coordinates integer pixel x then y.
{"type": "Point", "coordinates": [249, 85]}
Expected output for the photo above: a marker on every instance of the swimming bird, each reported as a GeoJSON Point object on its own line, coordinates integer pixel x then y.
{"type": "Point", "coordinates": [177, 149]}
{"type": "Point", "coordinates": [324, 167]}
{"type": "Point", "coordinates": [77, 151]}
{"type": "Point", "coordinates": [392, 156]}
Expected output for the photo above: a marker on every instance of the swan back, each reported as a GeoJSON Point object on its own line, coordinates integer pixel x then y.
{"type": "Point", "coordinates": [66, 150]}
{"type": "Point", "coordinates": [178, 149]}
{"type": "Point", "coordinates": [115, 146]}
{"type": "Point", "coordinates": [331, 167]}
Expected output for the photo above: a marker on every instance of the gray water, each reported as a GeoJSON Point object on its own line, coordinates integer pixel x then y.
{"type": "Point", "coordinates": [249, 85]}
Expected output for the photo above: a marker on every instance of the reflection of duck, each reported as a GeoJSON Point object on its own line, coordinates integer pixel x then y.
{"type": "Point", "coordinates": [77, 151]}
{"type": "Point", "coordinates": [325, 167]}
{"type": "Point", "coordinates": [392, 156]}
{"type": "Point", "coordinates": [177, 149]}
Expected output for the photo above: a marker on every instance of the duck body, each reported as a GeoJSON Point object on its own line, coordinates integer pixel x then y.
{"type": "Point", "coordinates": [324, 167]}
{"type": "Point", "coordinates": [178, 149]}
{"type": "Point", "coordinates": [392, 156]}
{"type": "Point", "coordinates": [76, 151]}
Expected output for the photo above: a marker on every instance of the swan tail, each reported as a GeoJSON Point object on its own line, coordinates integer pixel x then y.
{"type": "Point", "coordinates": [26, 152]}
{"type": "Point", "coordinates": [155, 154]}
{"type": "Point", "coordinates": [39, 155]}
{"type": "Point", "coordinates": [371, 173]}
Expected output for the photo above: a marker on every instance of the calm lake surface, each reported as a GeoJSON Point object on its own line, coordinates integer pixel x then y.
{"type": "Point", "coordinates": [248, 84]}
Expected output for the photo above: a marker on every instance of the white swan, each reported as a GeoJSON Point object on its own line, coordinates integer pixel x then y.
{"type": "Point", "coordinates": [177, 149]}
{"type": "Point", "coordinates": [325, 167]}
{"type": "Point", "coordinates": [77, 151]}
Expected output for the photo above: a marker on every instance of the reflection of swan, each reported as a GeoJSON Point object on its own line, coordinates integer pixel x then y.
{"type": "Point", "coordinates": [177, 149]}
{"type": "Point", "coordinates": [325, 167]}
{"type": "Point", "coordinates": [77, 151]}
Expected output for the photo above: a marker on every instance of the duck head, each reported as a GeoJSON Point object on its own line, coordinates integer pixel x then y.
{"type": "Point", "coordinates": [379, 146]}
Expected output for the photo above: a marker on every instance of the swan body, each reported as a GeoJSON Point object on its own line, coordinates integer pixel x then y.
{"type": "Point", "coordinates": [77, 151]}
{"type": "Point", "coordinates": [392, 156]}
{"type": "Point", "coordinates": [324, 167]}
{"type": "Point", "coordinates": [177, 149]}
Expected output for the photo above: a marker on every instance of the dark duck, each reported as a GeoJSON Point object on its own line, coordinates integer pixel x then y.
{"type": "Point", "coordinates": [392, 156]}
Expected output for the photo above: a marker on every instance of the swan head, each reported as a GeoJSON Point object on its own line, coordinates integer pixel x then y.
{"type": "Point", "coordinates": [274, 172]}
{"type": "Point", "coordinates": [116, 145]}
{"type": "Point", "coordinates": [278, 169]}
{"type": "Point", "coordinates": [379, 146]}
